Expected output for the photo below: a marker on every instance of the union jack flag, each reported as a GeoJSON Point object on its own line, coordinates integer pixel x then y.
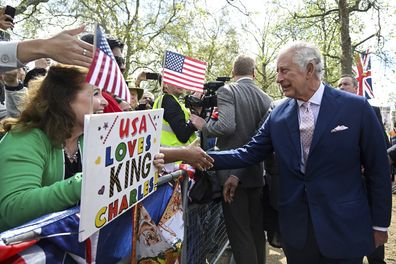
{"type": "Point", "coordinates": [363, 74]}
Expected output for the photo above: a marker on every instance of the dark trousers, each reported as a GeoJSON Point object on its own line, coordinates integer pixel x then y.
{"type": "Point", "coordinates": [244, 223]}
{"type": "Point", "coordinates": [310, 253]}
{"type": "Point", "coordinates": [377, 257]}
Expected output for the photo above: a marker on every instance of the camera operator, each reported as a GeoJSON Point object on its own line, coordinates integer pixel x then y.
{"type": "Point", "coordinates": [241, 106]}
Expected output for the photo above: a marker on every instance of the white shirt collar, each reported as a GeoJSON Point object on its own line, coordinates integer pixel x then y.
{"type": "Point", "coordinates": [316, 98]}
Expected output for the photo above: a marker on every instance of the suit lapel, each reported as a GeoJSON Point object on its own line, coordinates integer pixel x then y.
{"type": "Point", "coordinates": [292, 123]}
{"type": "Point", "coordinates": [327, 112]}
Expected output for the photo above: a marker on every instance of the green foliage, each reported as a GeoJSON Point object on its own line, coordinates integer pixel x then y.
{"type": "Point", "coordinates": [190, 27]}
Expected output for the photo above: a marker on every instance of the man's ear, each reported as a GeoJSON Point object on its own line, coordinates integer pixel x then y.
{"type": "Point", "coordinates": [310, 70]}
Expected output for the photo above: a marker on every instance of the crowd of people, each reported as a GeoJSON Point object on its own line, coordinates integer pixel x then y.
{"type": "Point", "coordinates": [321, 155]}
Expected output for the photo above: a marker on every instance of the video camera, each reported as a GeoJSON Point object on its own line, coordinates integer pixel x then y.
{"type": "Point", "coordinates": [210, 98]}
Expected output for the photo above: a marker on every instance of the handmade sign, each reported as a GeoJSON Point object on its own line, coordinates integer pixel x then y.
{"type": "Point", "coordinates": [118, 169]}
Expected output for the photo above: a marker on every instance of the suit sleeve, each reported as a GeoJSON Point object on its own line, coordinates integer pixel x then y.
{"type": "Point", "coordinates": [376, 168]}
{"type": "Point", "coordinates": [225, 125]}
{"type": "Point", "coordinates": [258, 149]}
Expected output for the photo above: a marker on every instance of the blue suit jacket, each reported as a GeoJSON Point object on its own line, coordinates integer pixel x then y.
{"type": "Point", "coordinates": [343, 205]}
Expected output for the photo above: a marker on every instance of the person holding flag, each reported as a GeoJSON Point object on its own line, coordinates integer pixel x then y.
{"type": "Point", "coordinates": [180, 73]}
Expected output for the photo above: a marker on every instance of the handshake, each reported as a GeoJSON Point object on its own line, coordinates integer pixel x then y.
{"type": "Point", "coordinates": [191, 154]}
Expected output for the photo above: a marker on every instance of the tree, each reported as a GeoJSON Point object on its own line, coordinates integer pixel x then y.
{"type": "Point", "coordinates": [344, 10]}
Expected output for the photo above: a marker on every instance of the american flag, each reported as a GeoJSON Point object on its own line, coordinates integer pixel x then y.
{"type": "Point", "coordinates": [363, 74]}
{"type": "Point", "coordinates": [104, 71]}
{"type": "Point", "coordinates": [184, 72]}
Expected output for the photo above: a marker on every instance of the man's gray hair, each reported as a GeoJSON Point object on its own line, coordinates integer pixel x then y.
{"type": "Point", "coordinates": [305, 53]}
{"type": "Point", "coordinates": [244, 65]}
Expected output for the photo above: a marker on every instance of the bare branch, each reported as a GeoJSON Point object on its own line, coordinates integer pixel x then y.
{"type": "Point", "coordinates": [295, 15]}
{"type": "Point", "coordinates": [244, 12]}
{"type": "Point", "coordinates": [364, 40]}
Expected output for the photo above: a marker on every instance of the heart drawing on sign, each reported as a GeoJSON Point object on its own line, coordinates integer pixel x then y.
{"type": "Point", "coordinates": [101, 190]}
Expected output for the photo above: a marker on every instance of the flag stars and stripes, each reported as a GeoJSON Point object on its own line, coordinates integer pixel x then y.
{"type": "Point", "coordinates": [104, 71]}
{"type": "Point", "coordinates": [174, 62]}
{"type": "Point", "coordinates": [184, 72]}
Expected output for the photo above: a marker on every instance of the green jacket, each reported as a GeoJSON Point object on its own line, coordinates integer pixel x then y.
{"type": "Point", "coordinates": [32, 178]}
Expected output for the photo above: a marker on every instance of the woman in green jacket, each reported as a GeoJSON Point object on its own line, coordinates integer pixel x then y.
{"type": "Point", "coordinates": [40, 155]}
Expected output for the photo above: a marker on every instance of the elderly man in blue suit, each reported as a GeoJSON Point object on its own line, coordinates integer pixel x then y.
{"type": "Point", "coordinates": [322, 137]}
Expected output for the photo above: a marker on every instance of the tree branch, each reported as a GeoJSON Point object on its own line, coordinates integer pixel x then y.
{"type": "Point", "coordinates": [364, 40]}
{"type": "Point", "coordinates": [295, 15]}
{"type": "Point", "coordinates": [244, 12]}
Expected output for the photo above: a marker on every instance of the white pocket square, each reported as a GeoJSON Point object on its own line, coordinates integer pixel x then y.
{"type": "Point", "coordinates": [339, 128]}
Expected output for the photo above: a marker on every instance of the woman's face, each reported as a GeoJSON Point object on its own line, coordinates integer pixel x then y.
{"type": "Point", "coordinates": [81, 103]}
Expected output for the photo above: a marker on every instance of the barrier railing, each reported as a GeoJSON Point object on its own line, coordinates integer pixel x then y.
{"type": "Point", "coordinates": [205, 237]}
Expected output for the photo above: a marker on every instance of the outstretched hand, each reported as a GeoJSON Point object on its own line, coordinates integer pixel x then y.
{"type": "Point", "coordinates": [66, 48]}
{"type": "Point", "coordinates": [229, 188]}
{"type": "Point", "coordinates": [198, 158]}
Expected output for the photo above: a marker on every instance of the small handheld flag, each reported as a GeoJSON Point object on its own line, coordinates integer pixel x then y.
{"type": "Point", "coordinates": [104, 71]}
{"type": "Point", "coordinates": [184, 72]}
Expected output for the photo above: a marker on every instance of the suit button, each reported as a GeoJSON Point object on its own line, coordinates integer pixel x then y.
{"type": "Point", "coordinates": [5, 58]}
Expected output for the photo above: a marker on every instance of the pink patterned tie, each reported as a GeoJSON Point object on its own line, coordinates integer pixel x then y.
{"type": "Point", "coordinates": [307, 125]}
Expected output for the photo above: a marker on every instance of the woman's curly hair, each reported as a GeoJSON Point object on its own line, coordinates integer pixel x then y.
{"type": "Point", "coordinates": [48, 104]}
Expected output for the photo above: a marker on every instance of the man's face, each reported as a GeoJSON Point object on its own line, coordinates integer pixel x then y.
{"type": "Point", "coordinates": [117, 52]}
{"type": "Point", "coordinates": [290, 77]}
{"type": "Point", "coordinates": [346, 84]}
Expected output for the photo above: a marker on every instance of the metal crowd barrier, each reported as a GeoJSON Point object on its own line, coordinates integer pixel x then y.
{"type": "Point", "coordinates": [205, 237]}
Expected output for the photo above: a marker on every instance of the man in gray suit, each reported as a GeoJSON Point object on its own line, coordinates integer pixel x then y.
{"type": "Point", "coordinates": [241, 106]}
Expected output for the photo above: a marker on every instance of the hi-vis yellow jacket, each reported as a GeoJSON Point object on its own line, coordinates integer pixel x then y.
{"type": "Point", "coordinates": [168, 137]}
